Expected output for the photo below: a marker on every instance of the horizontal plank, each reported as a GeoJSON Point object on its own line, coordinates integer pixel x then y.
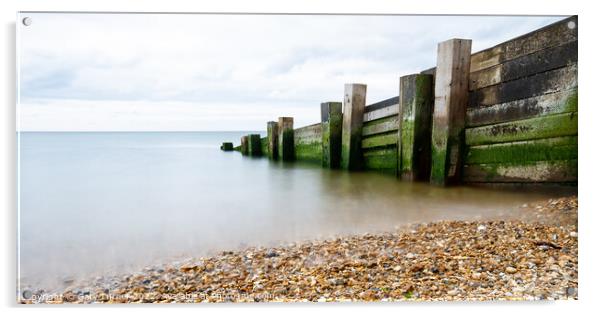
{"type": "Point", "coordinates": [541, 61]}
{"type": "Point", "coordinates": [555, 125]}
{"type": "Point", "coordinates": [380, 113]}
{"type": "Point", "coordinates": [387, 161]}
{"type": "Point", "coordinates": [380, 151]}
{"type": "Point", "coordinates": [309, 152]}
{"type": "Point", "coordinates": [540, 171]}
{"type": "Point", "coordinates": [308, 130]}
{"type": "Point", "coordinates": [380, 140]}
{"type": "Point", "coordinates": [387, 124]}
{"type": "Point", "coordinates": [552, 103]}
{"type": "Point", "coordinates": [558, 148]}
{"type": "Point", "coordinates": [552, 35]}
{"type": "Point", "coordinates": [381, 104]}
{"type": "Point", "coordinates": [547, 82]}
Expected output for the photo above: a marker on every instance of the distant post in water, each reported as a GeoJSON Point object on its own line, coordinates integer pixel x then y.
{"type": "Point", "coordinates": [286, 139]}
{"type": "Point", "coordinates": [353, 119]}
{"type": "Point", "coordinates": [332, 124]}
{"type": "Point", "coordinates": [244, 145]}
{"type": "Point", "coordinates": [415, 125]}
{"type": "Point", "coordinates": [227, 147]}
{"type": "Point", "coordinates": [272, 140]}
{"type": "Point", "coordinates": [255, 145]}
{"type": "Point", "coordinates": [451, 98]}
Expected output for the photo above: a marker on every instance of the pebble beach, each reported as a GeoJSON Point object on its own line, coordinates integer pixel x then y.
{"type": "Point", "coordinates": [533, 257]}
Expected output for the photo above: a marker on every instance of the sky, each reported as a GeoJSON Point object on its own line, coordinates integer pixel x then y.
{"type": "Point", "coordinates": [193, 72]}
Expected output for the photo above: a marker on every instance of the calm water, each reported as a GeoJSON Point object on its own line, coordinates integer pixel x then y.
{"type": "Point", "coordinates": [102, 203]}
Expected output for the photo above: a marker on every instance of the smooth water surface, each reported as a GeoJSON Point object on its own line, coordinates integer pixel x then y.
{"type": "Point", "coordinates": [102, 203]}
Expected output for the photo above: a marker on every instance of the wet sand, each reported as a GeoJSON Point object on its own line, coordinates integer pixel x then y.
{"type": "Point", "coordinates": [533, 257]}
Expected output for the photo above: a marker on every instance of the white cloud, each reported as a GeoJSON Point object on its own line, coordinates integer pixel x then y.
{"type": "Point", "coordinates": [220, 72]}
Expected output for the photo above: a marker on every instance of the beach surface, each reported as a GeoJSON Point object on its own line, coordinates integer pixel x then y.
{"type": "Point", "coordinates": [533, 257]}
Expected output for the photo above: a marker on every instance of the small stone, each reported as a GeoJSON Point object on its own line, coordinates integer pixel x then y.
{"type": "Point", "coordinates": [510, 270]}
{"type": "Point", "coordinates": [481, 228]}
{"type": "Point", "coordinates": [453, 292]}
{"type": "Point", "coordinates": [571, 291]}
{"type": "Point", "coordinates": [573, 234]}
{"type": "Point", "coordinates": [410, 255]}
{"type": "Point", "coordinates": [397, 268]}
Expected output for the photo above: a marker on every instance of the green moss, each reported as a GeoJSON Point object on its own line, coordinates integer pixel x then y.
{"type": "Point", "coordinates": [380, 140]}
{"type": "Point", "coordinates": [286, 147]}
{"type": "Point", "coordinates": [528, 171]}
{"type": "Point", "coordinates": [383, 159]}
{"type": "Point", "coordinates": [255, 147]}
{"type": "Point", "coordinates": [311, 152]}
{"type": "Point", "coordinates": [351, 155]}
{"type": "Point", "coordinates": [439, 166]}
{"type": "Point", "coordinates": [561, 148]}
{"type": "Point", "coordinates": [535, 128]}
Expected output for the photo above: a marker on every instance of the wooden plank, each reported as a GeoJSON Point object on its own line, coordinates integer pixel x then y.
{"type": "Point", "coordinates": [286, 138]}
{"type": "Point", "coordinates": [254, 145]}
{"type": "Point", "coordinates": [332, 125]}
{"type": "Point", "coordinates": [543, 83]}
{"type": "Point", "coordinates": [353, 114]}
{"type": "Point", "coordinates": [380, 162]}
{"type": "Point", "coordinates": [553, 103]}
{"type": "Point", "coordinates": [553, 35]}
{"type": "Point", "coordinates": [415, 126]}
{"type": "Point", "coordinates": [541, 61]}
{"type": "Point", "coordinates": [380, 140]}
{"type": "Point", "coordinates": [382, 104]}
{"type": "Point", "coordinates": [555, 125]}
{"type": "Point", "coordinates": [308, 131]}
{"type": "Point", "coordinates": [272, 139]}
{"type": "Point", "coordinates": [451, 96]}
{"type": "Point", "coordinates": [309, 151]}
{"type": "Point", "coordinates": [558, 148]}
{"type": "Point", "coordinates": [244, 145]}
{"type": "Point", "coordinates": [540, 171]}
{"type": "Point", "coordinates": [384, 125]}
{"type": "Point", "coordinates": [381, 113]}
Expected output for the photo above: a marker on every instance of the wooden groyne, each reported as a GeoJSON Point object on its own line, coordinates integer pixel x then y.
{"type": "Point", "coordinates": [504, 115]}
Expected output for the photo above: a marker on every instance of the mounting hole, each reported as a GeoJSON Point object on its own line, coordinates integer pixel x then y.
{"type": "Point", "coordinates": [571, 25]}
{"type": "Point", "coordinates": [27, 21]}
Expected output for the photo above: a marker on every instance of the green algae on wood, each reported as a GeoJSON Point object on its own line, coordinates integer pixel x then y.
{"type": "Point", "coordinates": [451, 97]}
{"type": "Point", "coordinates": [332, 124]}
{"type": "Point", "coordinates": [286, 139]}
{"type": "Point", "coordinates": [415, 124]}
{"type": "Point", "coordinates": [559, 148]}
{"type": "Point", "coordinates": [380, 140]}
{"type": "Point", "coordinates": [227, 146]}
{"type": "Point", "coordinates": [381, 159]}
{"type": "Point", "coordinates": [254, 145]}
{"type": "Point", "coordinates": [382, 125]}
{"type": "Point", "coordinates": [555, 125]}
{"type": "Point", "coordinates": [529, 171]}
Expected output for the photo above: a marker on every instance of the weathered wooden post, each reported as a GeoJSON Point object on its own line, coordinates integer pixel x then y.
{"type": "Point", "coordinates": [286, 139]}
{"type": "Point", "coordinates": [255, 145]}
{"type": "Point", "coordinates": [415, 125]}
{"type": "Point", "coordinates": [332, 124]}
{"type": "Point", "coordinates": [353, 119]}
{"type": "Point", "coordinates": [244, 145]}
{"type": "Point", "coordinates": [272, 140]}
{"type": "Point", "coordinates": [227, 146]}
{"type": "Point", "coordinates": [451, 98]}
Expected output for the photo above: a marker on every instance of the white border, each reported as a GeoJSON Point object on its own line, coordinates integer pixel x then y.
{"type": "Point", "coordinates": [589, 48]}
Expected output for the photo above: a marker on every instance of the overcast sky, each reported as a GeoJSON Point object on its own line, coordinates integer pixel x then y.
{"type": "Point", "coordinates": [223, 72]}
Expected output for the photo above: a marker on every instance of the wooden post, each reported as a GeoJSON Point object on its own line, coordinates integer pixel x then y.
{"type": "Point", "coordinates": [255, 145]}
{"type": "Point", "coordinates": [273, 140]}
{"type": "Point", "coordinates": [332, 123]}
{"type": "Point", "coordinates": [244, 145]}
{"type": "Point", "coordinates": [227, 147]}
{"type": "Point", "coordinates": [286, 139]}
{"type": "Point", "coordinates": [353, 119]}
{"type": "Point", "coordinates": [415, 125]}
{"type": "Point", "coordinates": [451, 98]}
